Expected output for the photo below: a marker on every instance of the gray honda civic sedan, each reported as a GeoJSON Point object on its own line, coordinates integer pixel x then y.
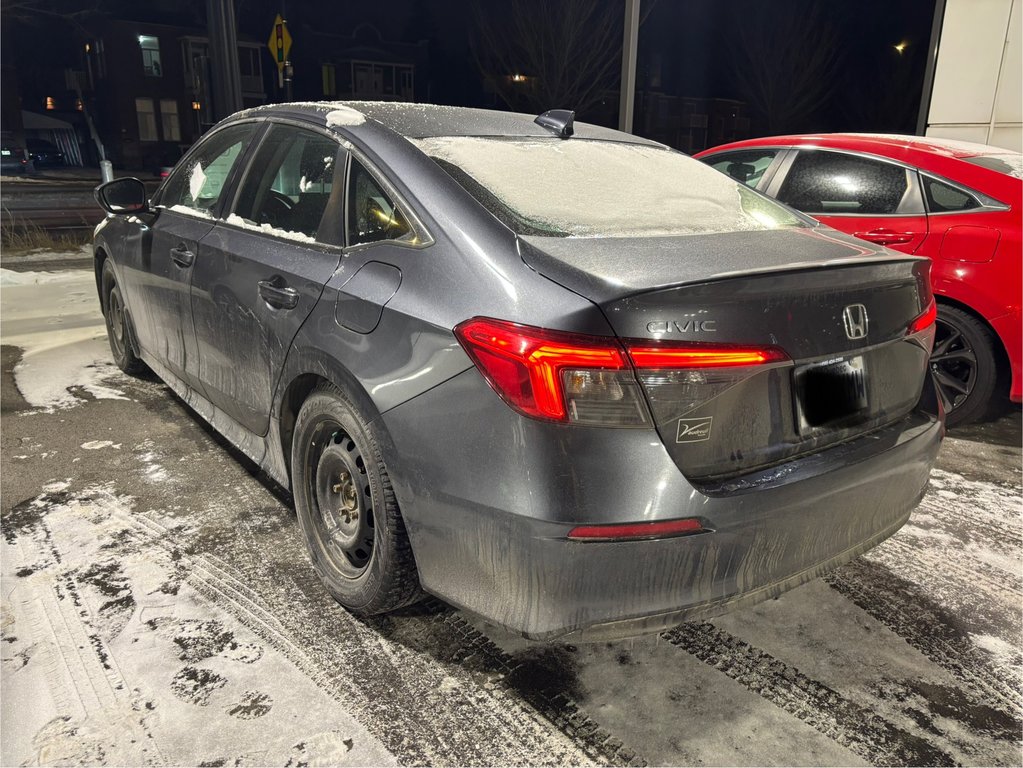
{"type": "Point", "coordinates": [559, 376]}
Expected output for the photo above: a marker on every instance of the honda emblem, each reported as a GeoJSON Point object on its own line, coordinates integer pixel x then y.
{"type": "Point", "coordinates": [854, 317]}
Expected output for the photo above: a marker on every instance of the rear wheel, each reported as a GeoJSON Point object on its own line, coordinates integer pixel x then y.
{"type": "Point", "coordinates": [116, 318]}
{"type": "Point", "coordinates": [963, 364]}
{"type": "Point", "coordinates": [347, 510]}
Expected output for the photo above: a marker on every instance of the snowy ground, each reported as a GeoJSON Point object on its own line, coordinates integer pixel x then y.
{"type": "Point", "coordinates": [158, 608]}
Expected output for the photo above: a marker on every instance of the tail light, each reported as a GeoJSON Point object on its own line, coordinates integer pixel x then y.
{"type": "Point", "coordinates": [925, 320]}
{"type": "Point", "coordinates": [592, 380]}
{"type": "Point", "coordinates": [555, 376]}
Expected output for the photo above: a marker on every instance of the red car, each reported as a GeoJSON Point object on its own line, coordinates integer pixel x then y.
{"type": "Point", "coordinates": [957, 203]}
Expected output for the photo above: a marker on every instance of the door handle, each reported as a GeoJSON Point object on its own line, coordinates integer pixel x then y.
{"type": "Point", "coordinates": [886, 236]}
{"type": "Point", "coordinates": [182, 256]}
{"type": "Point", "coordinates": [278, 296]}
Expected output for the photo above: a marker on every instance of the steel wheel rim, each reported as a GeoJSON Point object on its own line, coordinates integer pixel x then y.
{"type": "Point", "coordinates": [115, 320]}
{"type": "Point", "coordinates": [341, 498]}
{"type": "Point", "coordinates": [953, 365]}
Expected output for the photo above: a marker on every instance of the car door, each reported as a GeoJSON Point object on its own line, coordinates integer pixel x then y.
{"type": "Point", "coordinates": [868, 197]}
{"type": "Point", "coordinates": [264, 266]}
{"type": "Point", "coordinates": [185, 211]}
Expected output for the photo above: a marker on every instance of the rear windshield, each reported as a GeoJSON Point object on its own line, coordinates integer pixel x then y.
{"type": "Point", "coordinates": [580, 188]}
{"type": "Point", "coordinates": [1010, 164]}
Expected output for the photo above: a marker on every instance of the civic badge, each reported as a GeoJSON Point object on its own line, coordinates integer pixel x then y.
{"type": "Point", "coordinates": [854, 317]}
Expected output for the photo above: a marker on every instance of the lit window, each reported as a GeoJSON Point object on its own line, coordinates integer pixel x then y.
{"type": "Point", "coordinates": [79, 105]}
{"type": "Point", "coordinates": [147, 119]}
{"type": "Point", "coordinates": [150, 46]}
{"type": "Point", "coordinates": [169, 120]}
{"type": "Point", "coordinates": [50, 103]}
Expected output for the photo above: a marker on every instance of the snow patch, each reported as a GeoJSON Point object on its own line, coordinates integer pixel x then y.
{"type": "Point", "coordinates": [95, 445]}
{"type": "Point", "coordinates": [191, 211]}
{"type": "Point", "coordinates": [300, 237]}
{"type": "Point", "coordinates": [345, 116]}
{"type": "Point", "coordinates": [64, 349]}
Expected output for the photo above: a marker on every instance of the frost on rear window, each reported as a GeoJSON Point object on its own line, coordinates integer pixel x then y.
{"type": "Point", "coordinates": [580, 188]}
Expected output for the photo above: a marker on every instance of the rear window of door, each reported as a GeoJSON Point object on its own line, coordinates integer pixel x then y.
{"type": "Point", "coordinates": [829, 183]}
{"type": "Point", "coordinates": [294, 187]}
{"type": "Point", "coordinates": [197, 186]}
{"type": "Point", "coordinates": [747, 166]}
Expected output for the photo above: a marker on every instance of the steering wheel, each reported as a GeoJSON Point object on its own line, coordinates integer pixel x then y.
{"type": "Point", "coordinates": [275, 208]}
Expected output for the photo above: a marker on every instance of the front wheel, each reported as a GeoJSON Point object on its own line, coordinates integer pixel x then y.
{"type": "Point", "coordinates": [347, 510]}
{"type": "Point", "coordinates": [963, 364]}
{"type": "Point", "coordinates": [117, 324]}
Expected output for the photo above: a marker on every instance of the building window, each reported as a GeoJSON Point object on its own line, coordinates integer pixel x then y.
{"type": "Point", "coordinates": [147, 119]}
{"type": "Point", "coordinates": [150, 46]}
{"type": "Point", "coordinates": [50, 103]}
{"type": "Point", "coordinates": [406, 82]}
{"type": "Point", "coordinates": [248, 62]}
{"type": "Point", "coordinates": [169, 120]}
{"type": "Point", "coordinates": [329, 80]}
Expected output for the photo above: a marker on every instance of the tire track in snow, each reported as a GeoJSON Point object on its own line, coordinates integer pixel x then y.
{"type": "Point", "coordinates": [454, 682]}
{"type": "Point", "coordinates": [933, 630]}
{"type": "Point", "coordinates": [861, 730]}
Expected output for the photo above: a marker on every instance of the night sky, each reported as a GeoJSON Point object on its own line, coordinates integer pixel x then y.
{"type": "Point", "coordinates": [686, 47]}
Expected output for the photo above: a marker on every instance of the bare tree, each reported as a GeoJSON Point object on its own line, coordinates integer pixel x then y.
{"type": "Point", "coordinates": [785, 60]}
{"type": "Point", "coordinates": [564, 52]}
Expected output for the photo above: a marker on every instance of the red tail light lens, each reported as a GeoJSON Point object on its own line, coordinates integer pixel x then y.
{"type": "Point", "coordinates": [529, 367]}
{"type": "Point", "coordinates": [592, 380]}
{"type": "Point", "coordinates": [636, 530]}
{"type": "Point", "coordinates": [925, 320]}
{"type": "Point", "coordinates": [681, 356]}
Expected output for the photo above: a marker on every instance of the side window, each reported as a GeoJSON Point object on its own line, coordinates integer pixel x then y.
{"type": "Point", "coordinates": [747, 167]}
{"type": "Point", "coordinates": [198, 184]}
{"type": "Point", "coordinates": [372, 215]}
{"type": "Point", "coordinates": [942, 197]}
{"type": "Point", "coordinates": [826, 183]}
{"type": "Point", "coordinates": [294, 187]}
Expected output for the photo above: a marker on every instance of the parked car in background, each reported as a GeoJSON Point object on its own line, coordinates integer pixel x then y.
{"type": "Point", "coordinates": [13, 159]}
{"type": "Point", "coordinates": [44, 154]}
{"type": "Point", "coordinates": [955, 202]}
{"type": "Point", "coordinates": [559, 376]}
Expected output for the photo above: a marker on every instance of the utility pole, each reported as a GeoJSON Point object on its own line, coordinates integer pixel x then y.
{"type": "Point", "coordinates": [628, 94]}
{"type": "Point", "coordinates": [227, 81]}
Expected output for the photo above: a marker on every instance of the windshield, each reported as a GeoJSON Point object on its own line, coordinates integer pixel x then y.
{"type": "Point", "coordinates": [1011, 163]}
{"type": "Point", "coordinates": [581, 188]}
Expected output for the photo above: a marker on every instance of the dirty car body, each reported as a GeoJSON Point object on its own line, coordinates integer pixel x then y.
{"type": "Point", "coordinates": [606, 397]}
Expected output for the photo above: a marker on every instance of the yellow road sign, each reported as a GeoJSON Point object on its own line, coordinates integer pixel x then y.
{"type": "Point", "coordinates": [280, 42]}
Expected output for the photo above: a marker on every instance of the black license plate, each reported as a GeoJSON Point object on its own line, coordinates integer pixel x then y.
{"type": "Point", "coordinates": [831, 393]}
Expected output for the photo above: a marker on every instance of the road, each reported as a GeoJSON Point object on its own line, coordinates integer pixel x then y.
{"type": "Point", "coordinates": [53, 204]}
{"type": "Point", "coordinates": [159, 608]}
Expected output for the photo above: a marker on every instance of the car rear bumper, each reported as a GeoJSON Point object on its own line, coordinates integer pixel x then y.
{"type": "Point", "coordinates": [490, 533]}
{"type": "Point", "coordinates": [1010, 330]}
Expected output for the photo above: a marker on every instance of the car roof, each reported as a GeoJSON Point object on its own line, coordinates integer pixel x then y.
{"type": "Point", "coordinates": [896, 146]}
{"type": "Point", "coordinates": [419, 121]}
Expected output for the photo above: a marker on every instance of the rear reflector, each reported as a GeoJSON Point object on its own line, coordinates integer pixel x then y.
{"type": "Point", "coordinates": [926, 320]}
{"type": "Point", "coordinates": [636, 530]}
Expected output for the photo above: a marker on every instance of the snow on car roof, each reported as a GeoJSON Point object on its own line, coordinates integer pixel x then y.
{"type": "Point", "coordinates": [419, 121]}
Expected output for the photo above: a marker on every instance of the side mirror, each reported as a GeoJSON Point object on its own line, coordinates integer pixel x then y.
{"type": "Point", "coordinates": [126, 195]}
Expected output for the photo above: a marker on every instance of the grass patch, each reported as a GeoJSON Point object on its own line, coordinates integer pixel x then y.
{"type": "Point", "coordinates": [17, 240]}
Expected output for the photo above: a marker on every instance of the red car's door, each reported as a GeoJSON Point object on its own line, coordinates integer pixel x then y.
{"type": "Point", "coordinates": [868, 197]}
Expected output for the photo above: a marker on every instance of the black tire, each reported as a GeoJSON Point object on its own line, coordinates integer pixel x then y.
{"type": "Point", "coordinates": [964, 365]}
{"type": "Point", "coordinates": [346, 508]}
{"type": "Point", "coordinates": [118, 331]}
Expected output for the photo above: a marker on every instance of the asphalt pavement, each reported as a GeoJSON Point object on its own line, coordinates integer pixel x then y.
{"type": "Point", "coordinates": [158, 608]}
